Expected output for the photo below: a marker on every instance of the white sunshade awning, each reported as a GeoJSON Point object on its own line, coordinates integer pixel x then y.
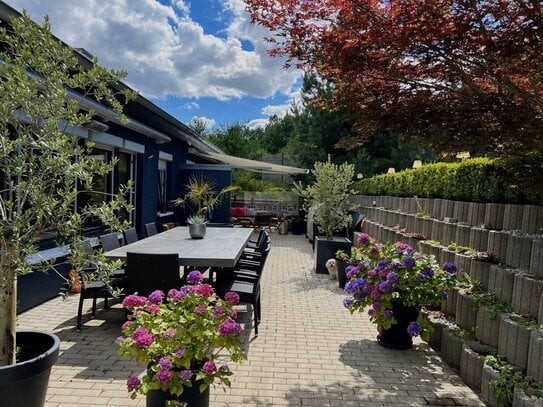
{"type": "Point", "coordinates": [254, 165]}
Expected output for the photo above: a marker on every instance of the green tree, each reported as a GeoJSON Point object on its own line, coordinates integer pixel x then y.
{"type": "Point", "coordinates": [41, 164]}
{"type": "Point", "coordinates": [239, 140]}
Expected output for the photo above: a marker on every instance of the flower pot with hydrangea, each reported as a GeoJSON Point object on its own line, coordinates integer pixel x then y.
{"type": "Point", "coordinates": [391, 284]}
{"type": "Point", "coordinates": [185, 338]}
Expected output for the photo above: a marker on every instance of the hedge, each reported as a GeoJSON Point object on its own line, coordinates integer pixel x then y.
{"type": "Point", "coordinates": [512, 180]}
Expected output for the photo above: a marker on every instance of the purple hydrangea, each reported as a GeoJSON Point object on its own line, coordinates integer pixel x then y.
{"type": "Point", "coordinates": [414, 329]}
{"type": "Point", "coordinates": [395, 265]}
{"type": "Point", "coordinates": [229, 328]}
{"type": "Point", "coordinates": [449, 268]}
{"type": "Point", "coordinates": [409, 262]}
{"type": "Point", "coordinates": [176, 294]}
{"type": "Point", "coordinates": [359, 296]}
{"type": "Point", "coordinates": [428, 273]}
{"type": "Point", "coordinates": [156, 296]}
{"type": "Point", "coordinates": [419, 277]}
{"type": "Point", "coordinates": [388, 313]}
{"type": "Point", "coordinates": [186, 374]}
{"type": "Point", "coordinates": [385, 286]}
{"type": "Point", "coordinates": [375, 294]}
{"type": "Point", "coordinates": [142, 337]}
{"type": "Point", "coordinates": [381, 265]}
{"type": "Point", "coordinates": [347, 302]}
{"type": "Point", "coordinates": [210, 367]}
{"type": "Point", "coordinates": [179, 353]}
{"type": "Point", "coordinates": [132, 383]}
{"type": "Point", "coordinates": [393, 277]}
{"type": "Point", "coordinates": [165, 362]}
{"type": "Point", "coordinates": [376, 305]}
{"type": "Point", "coordinates": [350, 287]}
{"type": "Point", "coordinates": [367, 288]}
{"type": "Point", "coordinates": [195, 277]}
{"type": "Point", "coordinates": [363, 239]}
{"type": "Point", "coordinates": [218, 311]}
{"type": "Point", "coordinates": [134, 300]}
{"type": "Point", "coordinates": [164, 376]}
{"type": "Point", "coordinates": [371, 311]}
{"type": "Point", "coordinates": [351, 271]}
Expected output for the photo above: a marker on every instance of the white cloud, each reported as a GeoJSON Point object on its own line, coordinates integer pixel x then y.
{"type": "Point", "coordinates": [205, 121]}
{"type": "Point", "coordinates": [258, 123]}
{"type": "Point", "coordinates": [165, 52]}
{"type": "Point", "coordinates": [191, 106]}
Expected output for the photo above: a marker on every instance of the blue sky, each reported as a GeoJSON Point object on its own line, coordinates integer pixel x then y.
{"type": "Point", "coordinates": [194, 58]}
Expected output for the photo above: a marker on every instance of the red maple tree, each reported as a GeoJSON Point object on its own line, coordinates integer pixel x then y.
{"type": "Point", "coordinates": [455, 75]}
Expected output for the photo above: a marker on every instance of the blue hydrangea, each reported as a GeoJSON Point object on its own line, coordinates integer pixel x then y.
{"type": "Point", "coordinates": [414, 329]}
{"type": "Point", "coordinates": [409, 262]}
{"type": "Point", "coordinates": [347, 302]}
{"type": "Point", "coordinates": [428, 273]}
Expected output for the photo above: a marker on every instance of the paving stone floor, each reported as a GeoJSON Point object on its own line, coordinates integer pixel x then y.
{"type": "Point", "coordinates": [310, 351]}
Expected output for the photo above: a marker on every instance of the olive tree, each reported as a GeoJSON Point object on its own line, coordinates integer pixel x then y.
{"type": "Point", "coordinates": [329, 196]}
{"type": "Point", "coordinates": [43, 166]}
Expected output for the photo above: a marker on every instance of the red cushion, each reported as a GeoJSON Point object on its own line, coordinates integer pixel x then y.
{"type": "Point", "coordinates": [237, 212]}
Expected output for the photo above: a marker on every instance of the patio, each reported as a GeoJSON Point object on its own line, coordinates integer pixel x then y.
{"type": "Point", "coordinates": [310, 351]}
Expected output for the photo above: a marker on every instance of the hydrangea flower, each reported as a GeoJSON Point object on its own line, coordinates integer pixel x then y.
{"type": "Point", "coordinates": [449, 268]}
{"type": "Point", "coordinates": [347, 302]}
{"type": "Point", "coordinates": [232, 297]}
{"type": "Point", "coordinates": [133, 383]}
{"type": "Point", "coordinates": [218, 311]}
{"type": "Point", "coordinates": [186, 374]}
{"type": "Point", "coordinates": [408, 262]}
{"type": "Point", "coordinates": [363, 239]}
{"type": "Point", "coordinates": [133, 301]}
{"type": "Point", "coordinates": [165, 362]}
{"type": "Point", "coordinates": [414, 329]}
{"type": "Point", "coordinates": [142, 337]}
{"type": "Point", "coordinates": [164, 376]}
{"type": "Point", "coordinates": [195, 277]}
{"type": "Point", "coordinates": [210, 367]}
{"type": "Point", "coordinates": [156, 296]}
{"type": "Point", "coordinates": [229, 327]}
{"type": "Point", "coordinates": [388, 313]}
{"type": "Point", "coordinates": [205, 290]}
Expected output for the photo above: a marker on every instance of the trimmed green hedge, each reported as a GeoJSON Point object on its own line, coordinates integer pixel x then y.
{"type": "Point", "coordinates": [513, 180]}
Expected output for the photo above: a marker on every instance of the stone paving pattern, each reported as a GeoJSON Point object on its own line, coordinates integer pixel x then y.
{"type": "Point", "coordinates": [310, 350]}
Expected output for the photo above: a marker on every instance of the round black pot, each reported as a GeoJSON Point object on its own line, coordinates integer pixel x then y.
{"type": "Point", "coordinates": [397, 337]}
{"type": "Point", "coordinates": [190, 395]}
{"type": "Point", "coordinates": [298, 226]}
{"type": "Point", "coordinates": [25, 383]}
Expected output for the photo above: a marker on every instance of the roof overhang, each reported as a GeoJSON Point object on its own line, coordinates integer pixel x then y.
{"type": "Point", "coordinates": [246, 164]}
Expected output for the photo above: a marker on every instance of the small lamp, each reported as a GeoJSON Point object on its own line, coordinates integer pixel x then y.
{"type": "Point", "coordinates": [417, 164]}
{"type": "Point", "coordinates": [359, 176]}
{"type": "Point", "coordinates": [391, 170]}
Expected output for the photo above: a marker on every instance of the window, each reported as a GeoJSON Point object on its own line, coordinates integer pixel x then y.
{"type": "Point", "coordinates": [162, 186]}
{"type": "Point", "coordinates": [126, 171]}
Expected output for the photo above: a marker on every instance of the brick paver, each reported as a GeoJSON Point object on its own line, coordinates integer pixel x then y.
{"type": "Point", "coordinates": [310, 351]}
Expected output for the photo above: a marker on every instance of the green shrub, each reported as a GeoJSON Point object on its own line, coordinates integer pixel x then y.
{"type": "Point", "coordinates": [510, 180]}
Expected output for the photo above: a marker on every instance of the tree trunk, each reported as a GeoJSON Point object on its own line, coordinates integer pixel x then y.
{"type": "Point", "coordinates": [8, 303]}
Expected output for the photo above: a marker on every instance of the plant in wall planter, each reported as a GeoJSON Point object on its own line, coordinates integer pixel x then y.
{"type": "Point", "coordinates": [392, 286]}
{"type": "Point", "coordinates": [329, 198]}
{"type": "Point", "coordinates": [40, 176]}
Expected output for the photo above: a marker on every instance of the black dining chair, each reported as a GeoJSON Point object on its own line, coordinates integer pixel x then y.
{"type": "Point", "coordinates": [149, 272]}
{"type": "Point", "coordinates": [150, 229]}
{"type": "Point", "coordinates": [130, 236]}
{"type": "Point", "coordinates": [110, 241]}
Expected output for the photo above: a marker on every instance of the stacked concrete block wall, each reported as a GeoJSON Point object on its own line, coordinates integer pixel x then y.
{"type": "Point", "coordinates": [511, 237]}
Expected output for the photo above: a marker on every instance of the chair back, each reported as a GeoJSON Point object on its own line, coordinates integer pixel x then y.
{"type": "Point", "coordinates": [110, 241]}
{"type": "Point", "coordinates": [149, 272]}
{"type": "Point", "coordinates": [130, 236]}
{"type": "Point", "coordinates": [150, 229]}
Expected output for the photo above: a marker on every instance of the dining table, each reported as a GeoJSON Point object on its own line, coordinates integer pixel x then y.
{"type": "Point", "coordinates": [221, 247]}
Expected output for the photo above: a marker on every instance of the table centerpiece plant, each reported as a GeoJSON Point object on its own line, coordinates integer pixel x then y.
{"type": "Point", "coordinates": [392, 282]}
{"type": "Point", "coordinates": [185, 338]}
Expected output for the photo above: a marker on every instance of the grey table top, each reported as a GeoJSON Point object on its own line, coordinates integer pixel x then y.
{"type": "Point", "coordinates": [221, 247]}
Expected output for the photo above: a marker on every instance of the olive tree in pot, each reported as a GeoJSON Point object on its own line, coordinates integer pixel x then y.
{"type": "Point", "coordinates": [42, 165]}
{"type": "Point", "coordinates": [329, 197]}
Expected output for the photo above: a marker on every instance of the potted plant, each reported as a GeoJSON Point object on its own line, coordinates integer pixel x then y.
{"type": "Point", "coordinates": [182, 338]}
{"type": "Point", "coordinates": [197, 226]}
{"type": "Point", "coordinates": [347, 262]}
{"type": "Point", "coordinates": [39, 183]}
{"type": "Point", "coordinates": [201, 194]}
{"type": "Point", "coordinates": [393, 284]}
{"type": "Point", "coordinates": [329, 198]}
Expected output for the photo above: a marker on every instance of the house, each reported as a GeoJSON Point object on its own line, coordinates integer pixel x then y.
{"type": "Point", "coordinates": [153, 149]}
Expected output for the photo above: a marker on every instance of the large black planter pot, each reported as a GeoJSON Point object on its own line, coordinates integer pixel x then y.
{"type": "Point", "coordinates": [397, 337]}
{"type": "Point", "coordinates": [25, 383]}
{"type": "Point", "coordinates": [298, 226]}
{"type": "Point", "coordinates": [326, 249]}
{"type": "Point", "coordinates": [190, 395]}
{"type": "Point", "coordinates": [341, 276]}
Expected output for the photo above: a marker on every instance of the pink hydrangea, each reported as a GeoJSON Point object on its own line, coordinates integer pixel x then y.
{"type": "Point", "coordinates": [164, 376]}
{"type": "Point", "coordinates": [176, 294]}
{"type": "Point", "coordinates": [229, 327]}
{"type": "Point", "coordinates": [152, 308]}
{"type": "Point", "coordinates": [372, 273]}
{"type": "Point", "coordinates": [132, 383]}
{"type": "Point", "coordinates": [210, 367]}
{"type": "Point", "coordinates": [142, 337]}
{"type": "Point", "coordinates": [200, 309]}
{"type": "Point", "coordinates": [127, 324]}
{"type": "Point", "coordinates": [205, 290]}
{"type": "Point", "coordinates": [232, 297]}
{"type": "Point", "coordinates": [169, 334]}
{"type": "Point", "coordinates": [134, 300]}
{"type": "Point", "coordinates": [363, 238]}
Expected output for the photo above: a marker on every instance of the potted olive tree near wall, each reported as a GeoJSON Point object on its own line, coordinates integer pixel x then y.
{"type": "Point", "coordinates": [41, 167]}
{"type": "Point", "coordinates": [329, 198]}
